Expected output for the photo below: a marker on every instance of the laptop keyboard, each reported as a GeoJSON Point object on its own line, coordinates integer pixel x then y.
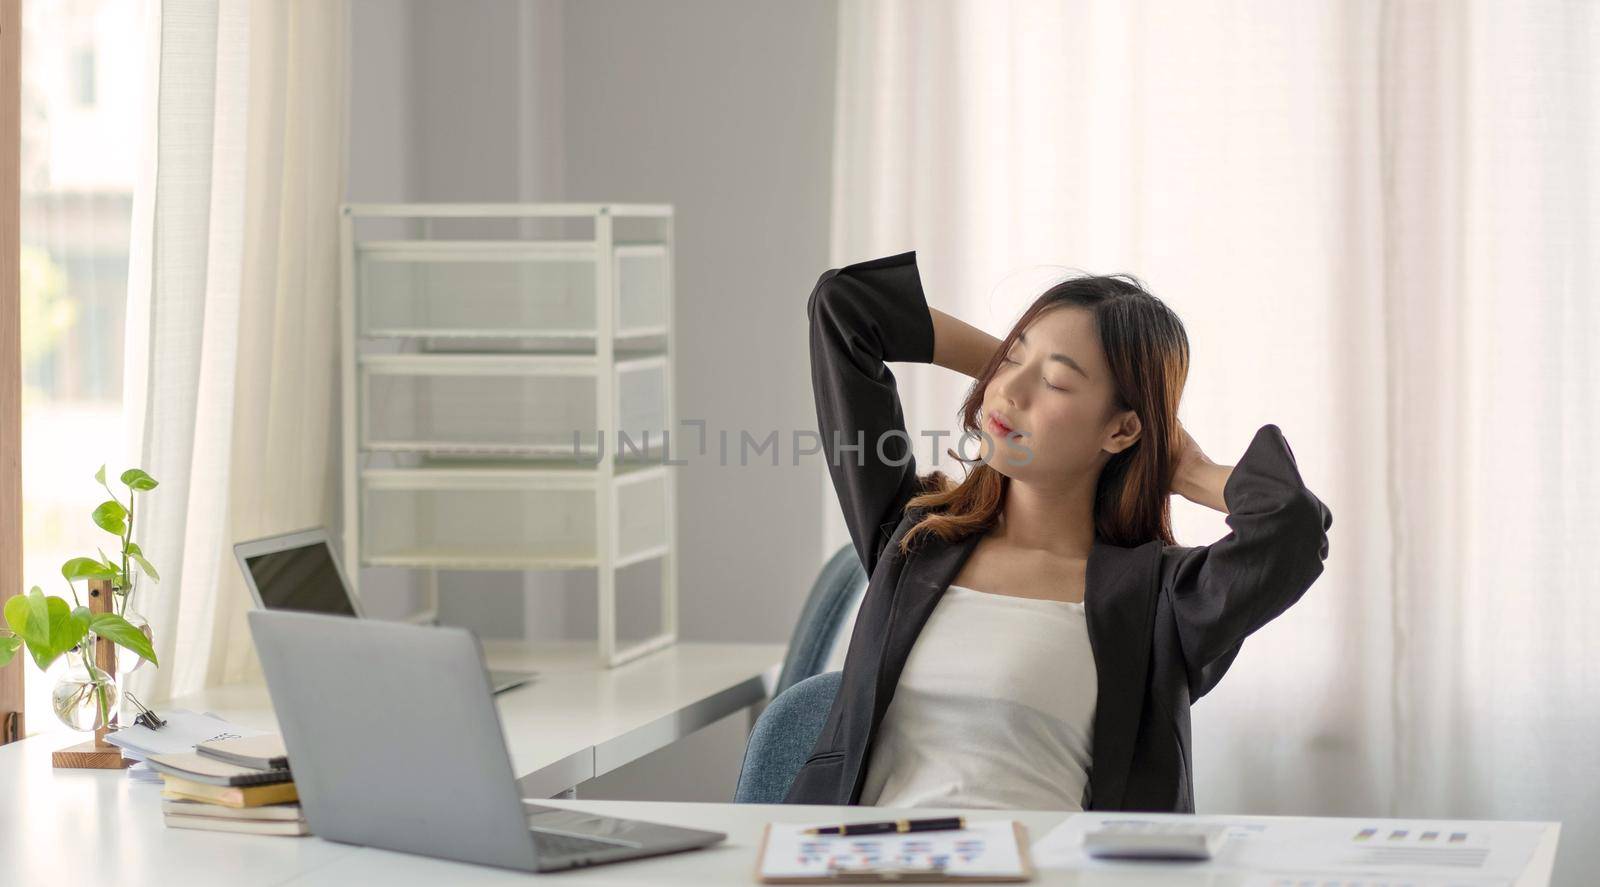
{"type": "Point", "coordinates": [558, 844]}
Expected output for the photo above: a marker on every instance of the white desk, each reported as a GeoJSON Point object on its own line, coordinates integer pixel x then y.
{"type": "Point", "coordinates": [89, 826]}
{"type": "Point", "coordinates": [98, 827]}
{"type": "Point", "coordinates": [575, 721]}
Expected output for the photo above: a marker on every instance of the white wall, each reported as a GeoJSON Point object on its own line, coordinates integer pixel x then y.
{"type": "Point", "coordinates": [723, 108]}
{"type": "Point", "coordinates": [461, 101]}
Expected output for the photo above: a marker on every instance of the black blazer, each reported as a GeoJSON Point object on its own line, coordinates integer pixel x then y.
{"type": "Point", "coordinates": [1165, 621]}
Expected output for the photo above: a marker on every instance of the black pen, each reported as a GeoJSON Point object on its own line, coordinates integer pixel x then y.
{"type": "Point", "coordinates": [900, 825]}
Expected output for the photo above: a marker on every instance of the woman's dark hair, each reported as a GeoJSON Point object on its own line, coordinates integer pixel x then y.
{"type": "Point", "coordinates": [1148, 352]}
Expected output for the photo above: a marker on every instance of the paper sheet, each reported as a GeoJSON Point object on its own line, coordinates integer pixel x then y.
{"type": "Point", "coordinates": [184, 730]}
{"type": "Point", "coordinates": [141, 771]}
{"type": "Point", "coordinates": [984, 847]}
{"type": "Point", "coordinates": [1284, 853]}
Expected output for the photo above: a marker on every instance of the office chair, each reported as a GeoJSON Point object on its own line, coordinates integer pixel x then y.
{"type": "Point", "coordinates": [822, 622]}
{"type": "Point", "coordinates": [783, 737]}
{"type": "Point", "coordinates": [787, 729]}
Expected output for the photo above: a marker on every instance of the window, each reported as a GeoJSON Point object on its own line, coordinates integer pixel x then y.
{"type": "Point", "coordinates": [79, 147]}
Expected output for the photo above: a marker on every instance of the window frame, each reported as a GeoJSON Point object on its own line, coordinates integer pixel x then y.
{"type": "Point", "coordinates": [12, 726]}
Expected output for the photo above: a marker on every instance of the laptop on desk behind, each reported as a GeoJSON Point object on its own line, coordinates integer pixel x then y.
{"type": "Point", "coordinates": [395, 743]}
{"type": "Point", "coordinates": [297, 571]}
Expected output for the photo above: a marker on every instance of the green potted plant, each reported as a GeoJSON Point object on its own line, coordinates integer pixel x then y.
{"type": "Point", "coordinates": [50, 626]}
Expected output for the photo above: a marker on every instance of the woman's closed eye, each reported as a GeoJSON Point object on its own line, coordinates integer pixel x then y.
{"type": "Point", "coordinates": [1046, 382]}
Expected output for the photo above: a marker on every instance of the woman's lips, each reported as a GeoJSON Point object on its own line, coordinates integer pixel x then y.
{"type": "Point", "coordinates": [998, 427]}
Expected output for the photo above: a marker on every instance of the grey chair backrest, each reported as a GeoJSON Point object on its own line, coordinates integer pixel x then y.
{"type": "Point", "coordinates": [838, 585]}
{"type": "Point", "coordinates": [783, 738]}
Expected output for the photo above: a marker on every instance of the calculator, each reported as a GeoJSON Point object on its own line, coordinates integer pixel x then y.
{"type": "Point", "coordinates": [1147, 839]}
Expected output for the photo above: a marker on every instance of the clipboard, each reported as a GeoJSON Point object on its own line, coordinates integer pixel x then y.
{"type": "Point", "coordinates": [783, 872]}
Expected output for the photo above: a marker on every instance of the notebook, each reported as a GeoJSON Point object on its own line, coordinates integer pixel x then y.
{"type": "Point", "coordinates": [229, 795]}
{"type": "Point", "coordinates": [272, 819]}
{"type": "Point", "coordinates": [986, 850]}
{"type": "Point", "coordinates": [196, 767]}
{"type": "Point", "coordinates": [287, 828]}
{"type": "Point", "coordinates": [281, 812]}
{"type": "Point", "coordinates": [264, 752]}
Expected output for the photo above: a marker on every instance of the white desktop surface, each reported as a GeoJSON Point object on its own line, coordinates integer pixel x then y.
{"type": "Point", "coordinates": [575, 721]}
{"type": "Point", "coordinates": [734, 861]}
{"type": "Point", "coordinates": [99, 827]}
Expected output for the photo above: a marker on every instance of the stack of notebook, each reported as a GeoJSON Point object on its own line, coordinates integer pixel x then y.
{"type": "Point", "coordinates": [232, 785]}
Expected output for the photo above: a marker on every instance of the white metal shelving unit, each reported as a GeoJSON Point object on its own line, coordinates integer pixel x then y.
{"type": "Point", "coordinates": [480, 374]}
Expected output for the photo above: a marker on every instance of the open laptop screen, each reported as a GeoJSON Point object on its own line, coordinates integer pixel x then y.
{"type": "Point", "coordinates": [303, 578]}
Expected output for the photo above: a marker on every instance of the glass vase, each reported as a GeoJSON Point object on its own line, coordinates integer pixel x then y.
{"type": "Point", "coordinates": [128, 661]}
{"type": "Point", "coordinates": [84, 699]}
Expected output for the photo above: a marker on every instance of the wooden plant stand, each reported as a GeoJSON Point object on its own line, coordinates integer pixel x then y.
{"type": "Point", "coordinates": [97, 753]}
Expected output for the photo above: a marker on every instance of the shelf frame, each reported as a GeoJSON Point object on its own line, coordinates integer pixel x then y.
{"type": "Point", "coordinates": [604, 356]}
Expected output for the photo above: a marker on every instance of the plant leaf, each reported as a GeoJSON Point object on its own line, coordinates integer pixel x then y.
{"type": "Point", "coordinates": [118, 580]}
{"type": "Point", "coordinates": [66, 628]}
{"type": "Point", "coordinates": [121, 632]}
{"type": "Point", "coordinates": [101, 477]}
{"type": "Point", "coordinates": [9, 644]}
{"type": "Point", "coordinates": [86, 568]}
{"type": "Point", "coordinates": [137, 479]}
{"type": "Point", "coordinates": [39, 611]}
{"type": "Point", "coordinates": [138, 557]}
{"type": "Point", "coordinates": [45, 624]}
{"type": "Point", "coordinates": [43, 632]}
{"type": "Point", "coordinates": [19, 611]}
{"type": "Point", "coordinates": [35, 619]}
{"type": "Point", "coordinates": [111, 517]}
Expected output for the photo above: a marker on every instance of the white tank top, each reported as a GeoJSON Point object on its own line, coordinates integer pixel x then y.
{"type": "Point", "coordinates": [995, 708]}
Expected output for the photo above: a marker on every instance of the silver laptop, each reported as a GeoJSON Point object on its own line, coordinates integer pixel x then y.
{"type": "Point", "coordinates": [297, 571]}
{"type": "Point", "coordinates": [395, 742]}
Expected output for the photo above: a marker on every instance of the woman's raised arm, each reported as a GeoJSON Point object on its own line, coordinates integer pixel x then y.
{"type": "Point", "coordinates": [960, 346]}
{"type": "Point", "coordinates": [863, 316]}
{"type": "Point", "coordinates": [1275, 549]}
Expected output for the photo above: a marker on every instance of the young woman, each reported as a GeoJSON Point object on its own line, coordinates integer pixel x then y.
{"type": "Point", "coordinates": [1031, 635]}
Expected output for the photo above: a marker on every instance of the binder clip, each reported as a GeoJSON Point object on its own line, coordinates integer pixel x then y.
{"type": "Point", "coordinates": [146, 718]}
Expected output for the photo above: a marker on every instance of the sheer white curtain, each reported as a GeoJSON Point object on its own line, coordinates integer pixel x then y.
{"type": "Point", "coordinates": [233, 309]}
{"type": "Point", "coordinates": [1377, 223]}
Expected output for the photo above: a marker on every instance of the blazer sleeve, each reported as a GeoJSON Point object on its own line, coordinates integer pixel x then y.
{"type": "Point", "coordinates": [1275, 549]}
{"type": "Point", "coordinates": [861, 316]}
